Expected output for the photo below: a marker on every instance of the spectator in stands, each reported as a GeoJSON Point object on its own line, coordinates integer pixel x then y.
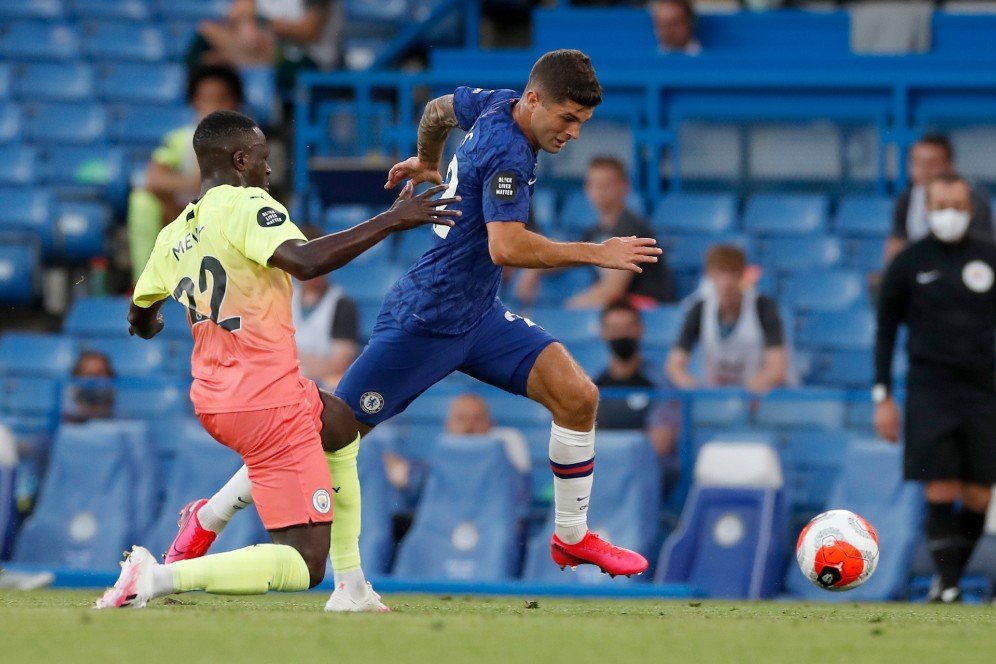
{"type": "Point", "coordinates": [674, 26]}
{"type": "Point", "coordinates": [740, 331]}
{"type": "Point", "coordinates": [92, 388]}
{"type": "Point", "coordinates": [328, 337]}
{"type": "Point", "coordinates": [172, 179]}
{"type": "Point", "coordinates": [606, 186]}
{"type": "Point", "coordinates": [623, 332]}
{"type": "Point", "coordinates": [290, 35]}
{"type": "Point", "coordinates": [929, 158]}
{"type": "Point", "coordinates": [468, 416]}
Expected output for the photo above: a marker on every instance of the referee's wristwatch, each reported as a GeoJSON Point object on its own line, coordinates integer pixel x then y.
{"type": "Point", "coordinates": [880, 393]}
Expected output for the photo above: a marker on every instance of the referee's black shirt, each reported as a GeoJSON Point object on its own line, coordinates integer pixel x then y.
{"type": "Point", "coordinates": [946, 296]}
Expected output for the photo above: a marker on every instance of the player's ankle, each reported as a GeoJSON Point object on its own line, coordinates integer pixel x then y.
{"type": "Point", "coordinates": [571, 534]}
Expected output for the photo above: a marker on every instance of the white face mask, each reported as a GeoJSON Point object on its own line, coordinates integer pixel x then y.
{"type": "Point", "coordinates": [948, 225]}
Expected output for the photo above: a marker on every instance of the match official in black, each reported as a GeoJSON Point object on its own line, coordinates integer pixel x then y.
{"type": "Point", "coordinates": [941, 287]}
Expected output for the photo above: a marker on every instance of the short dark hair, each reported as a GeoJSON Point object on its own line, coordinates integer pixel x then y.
{"type": "Point", "coordinates": [939, 141]}
{"type": "Point", "coordinates": [223, 73]}
{"type": "Point", "coordinates": [91, 354]}
{"type": "Point", "coordinates": [684, 4]}
{"type": "Point", "coordinates": [606, 161]}
{"type": "Point", "coordinates": [947, 178]}
{"type": "Point", "coordinates": [622, 304]}
{"type": "Point", "coordinates": [564, 75]}
{"type": "Point", "coordinates": [220, 127]}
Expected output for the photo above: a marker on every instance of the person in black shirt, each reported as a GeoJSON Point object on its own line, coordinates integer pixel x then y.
{"type": "Point", "coordinates": [622, 330]}
{"type": "Point", "coordinates": [606, 187]}
{"type": "Point", "coordinates": [929, 158]}
{"type": "Point", "coordinates": [941, 287]}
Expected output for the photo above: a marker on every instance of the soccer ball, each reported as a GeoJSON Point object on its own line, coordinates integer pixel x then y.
{"type": "Point", "coordinates": [837, 550]}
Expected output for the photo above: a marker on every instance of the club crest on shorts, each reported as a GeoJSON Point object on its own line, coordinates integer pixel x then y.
{"type": "Point", "coordinates": [978, 276]}
{"type": "Point", "coordinates": [322, 501]}
{"type": "Point", "coordinates": [371, 402]}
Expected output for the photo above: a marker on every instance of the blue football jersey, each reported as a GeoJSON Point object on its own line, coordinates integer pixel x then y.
{"type": "Point", "coordinates": [455, 283]}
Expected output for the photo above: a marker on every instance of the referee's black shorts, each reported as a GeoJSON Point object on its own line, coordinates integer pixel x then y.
{"type": "Point", "coordinates": [950, 424]}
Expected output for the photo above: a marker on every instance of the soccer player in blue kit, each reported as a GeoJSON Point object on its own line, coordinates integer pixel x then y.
{"type": "Point", "coordinates": [444, 315]}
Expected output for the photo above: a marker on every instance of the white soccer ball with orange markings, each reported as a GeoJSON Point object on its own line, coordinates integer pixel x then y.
{"type": "Point", "coordinates": [837, 550]}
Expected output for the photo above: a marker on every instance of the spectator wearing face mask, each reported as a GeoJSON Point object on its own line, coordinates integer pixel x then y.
{"type": "Point", "coordinates": [92, 390]}
{"type": "Point", "coordinates": [738, 331]}
{"type": "Point", "coordinates": [941, 288]}
{"type": "Point", "coordinates": [623, 332]}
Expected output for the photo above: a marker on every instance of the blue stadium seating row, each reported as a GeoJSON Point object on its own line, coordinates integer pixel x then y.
{"type": "Point", "coordinates": [87, 123]}
{"type": "Point", "coordinates": [132, 10]}
{"type": "Point", "coordinates": [120, 82]}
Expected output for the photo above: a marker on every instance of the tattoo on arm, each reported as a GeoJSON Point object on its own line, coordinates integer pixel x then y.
{"type": "Point", "coordinates": [437, 120]}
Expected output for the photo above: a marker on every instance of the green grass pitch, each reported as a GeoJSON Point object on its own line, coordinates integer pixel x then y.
{"type": "Point", "coordinates": [53, 625]}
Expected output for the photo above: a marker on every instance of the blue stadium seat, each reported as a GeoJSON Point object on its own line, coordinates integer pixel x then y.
{"type": "Point", "coordinates": [130, 357]}
{"type": "Point", "coordinates": [853, 329]}
{"type": "Point", "coordinates": [31, 400]}
{"type": "Point", "coordinates": [785, 214]}
{"type": "Point", "coordinates": [467, 526]}
{"type": "Point", "coordinates": [811, 461]}
{"type": "Point", "coordinates": [27, 354]}
{"type": "Point", "coordinates": [863, 215]}
{"type": "Point", "coordinates": [592, 355]}
{"type": "Point", "coordinates": [720, 408]}
{"type": "Point", "coordinates": [624, 508]}
{"type": "Point", "coordinates": [824, 290]}
{"type": "Point", "coordinates": [30, 40]}
{"type": "Point", "coordinates": [366, 285]}
{"type": "Point", "coordinates": [191, 10]}
{"type": "Point", "coordinates": [866, 254]}
{"type": "Point", "coordinates": [80, 230]}
{"type": "Point", "coordinates": [731, 535]}
{"type": "Point", "coordinates": [695, 214]}
{"type": "Point", "coordinates": [663, 324]}
{"type": "Point", "coordinates": [40, 9]}
{"type": "Point", "coordinates": [18, 165]}
{"type": "Point", "coordinates": [815, 409]}
{"type": "Point", "coordinates": [388, 11]}
{"type": "Point", "coordinates": [261, 95]}
{"type": "Point", "coordinates": [149, 398]}
{"type": "Point", "coordinates": [791, 254]}
{"type": "Point", "coordinates": [200, 467]}
{"type": "Point", "coordinates": [117, 41]}
{"type": "Point", "coordinates": [578, 216]}
{"type": "Point", "coordinates": [509, 410]}
{"type": "Point", "coordinates": [381, 501]}
{"type": "Point", "coordinates": [147, 124]}
{"type": "Point", "coordinates": [58, 123]}
{"type": "Point", "coordinates": [19, 263]}
{"type": "Point", "coordinates": [843, 369]}
{"type": "Point", "coordinates": [85, 513]}
{"type": "Point", "coordinates": [341, 217]}
{"type": "Point", "coordinates": [871, 484]}
{"type": "Point", "coordinates": [98, 317]}
{"type": "Point", "coordinates": [6, 78]}
{"type": "Point", "coordinates": [569, 325]}
{"type": "Point", "coordinates": [11, 122]}
{"type": "Point", "coordinates": [559, 285]}
{"type": "Point", "coordinates": [687, 252]}
{"type": "Point", "coordinates": [140, 83]}
{"type": "Point", "coordinates": [9, 517]}
{"type": "Point", "coordinates": [56, 81]}
{"type": "Point", "coordinates": [28, 211]}
{"type": "Point", "coordinates": [130, 10]}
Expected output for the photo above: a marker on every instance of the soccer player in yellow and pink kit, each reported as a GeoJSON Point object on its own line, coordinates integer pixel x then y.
{"type": "Point", "coordinates": [228, 258]}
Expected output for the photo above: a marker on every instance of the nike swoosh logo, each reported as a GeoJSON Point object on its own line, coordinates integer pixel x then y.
{"type": "Point", "coordinates": [924, 278]}
{"type": "Point", "coordinates": [335, 489]}
{"type": "Point", "coordinates": [244, 502]}
{"type": "Point", "coordinates": [582, 498]}
{"type": "Point", "coordinates": [260, 197]}
{"type": "Point", "coordinates": [531, 182]}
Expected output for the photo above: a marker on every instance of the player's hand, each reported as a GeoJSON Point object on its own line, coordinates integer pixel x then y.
{"type": "Point", "coordinates": [413, 169]}
{"type": "Point", "coordinates": [420, 210]}
{"type": "Point", "coordinates": [628, 253]}
{"type": "Point", "coordinates": [887, 420]}
{"type": "Point", "coordinates": [157, 325]}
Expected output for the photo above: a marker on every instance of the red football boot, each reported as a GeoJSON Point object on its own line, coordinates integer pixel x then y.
{"type": "Point", "coordinates": [193, 540]}
{"type": "Point", "coordinates": [593, 550]}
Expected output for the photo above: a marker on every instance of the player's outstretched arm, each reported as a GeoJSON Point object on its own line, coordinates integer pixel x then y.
{"type": "Point", "coordinates": [437, 120]}
{"type": "Point", "coordinates": [146, 322]}
{"type": "Point", "coordinates": [307, 260]}
{"type": "Point", "coordinates": [511, 245]}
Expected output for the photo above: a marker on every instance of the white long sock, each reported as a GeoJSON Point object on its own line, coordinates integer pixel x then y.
{"type": "Point", "coordinates": [572, 459]}
{"type": "Point", "coordinates": [354, 580]}
{"type": "Point", "coordinates": [222, 506]}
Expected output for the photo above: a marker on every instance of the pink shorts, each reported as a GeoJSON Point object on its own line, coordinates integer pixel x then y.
{"type": "Point", "coordinates": [282, 448]}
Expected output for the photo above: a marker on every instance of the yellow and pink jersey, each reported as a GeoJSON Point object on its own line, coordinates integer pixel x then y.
{"type": "Point", "coordinates": [213, 260]}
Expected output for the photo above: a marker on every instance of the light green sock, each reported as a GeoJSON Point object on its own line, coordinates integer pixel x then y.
{"type": "Point", "coordinates": [250, 571]}
{"type": "Point", "coordinates": [345, 549]}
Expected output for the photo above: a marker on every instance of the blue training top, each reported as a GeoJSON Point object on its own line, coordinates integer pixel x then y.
{"type": "Point", "coordinates": [455, 282]}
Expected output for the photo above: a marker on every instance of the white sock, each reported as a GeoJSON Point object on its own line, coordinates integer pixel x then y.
{"type": "Point", "coordinates": [572, 459]}
{"type": "Point", "coordinates": [354, 581]}
{"type": "Point", "coordinates": [162, 581]}
{"type": "Point", "coordinates": [222, 506]}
